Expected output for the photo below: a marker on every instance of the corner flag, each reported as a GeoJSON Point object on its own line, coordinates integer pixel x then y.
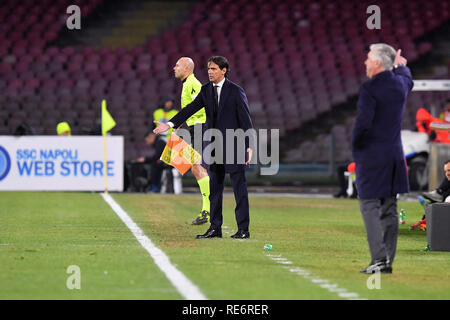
{"type": "Point", "coordinates": [107, 121]}
{"type": "Point", "coordinates": [107, 124]}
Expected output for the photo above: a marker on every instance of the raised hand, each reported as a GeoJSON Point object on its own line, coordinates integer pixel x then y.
{"type": "Point", "coordinates": [399, 59]}
{"type": "Point", "coordinates": [250, 153]}
{"type": "Point", "coordinates": [160, 127]}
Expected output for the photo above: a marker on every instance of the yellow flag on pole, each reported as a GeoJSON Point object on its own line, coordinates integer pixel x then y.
{"type": "Point", "coordinates": [107, 124]}
{"type": "Point", "coordinates": [179, 154]}
{"type": "Point", "coordinates": [107, 121]}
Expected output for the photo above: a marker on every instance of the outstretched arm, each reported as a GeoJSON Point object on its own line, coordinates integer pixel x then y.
{"type": "Point", "coordinates": [189, 110]}
{"type": "Point", "coordinates": [160, 127]}
{"type": "Point", "coordinates": [402, 70]}
{"type": "Point", "coordinates": [181, 116]}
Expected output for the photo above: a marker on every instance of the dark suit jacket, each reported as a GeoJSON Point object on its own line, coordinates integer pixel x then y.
{"type": "Point", "coordinates": [376, 141]}
{"type": "Point", "coordinates": [233, 114]}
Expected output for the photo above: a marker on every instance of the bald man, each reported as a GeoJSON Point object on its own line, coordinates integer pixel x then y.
{"type": "Point", "coordinates": [184, 70]}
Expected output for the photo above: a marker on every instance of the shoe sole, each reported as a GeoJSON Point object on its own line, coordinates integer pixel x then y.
{"type": "Point", "coordinates": [240, 237]}
{"type": "Point", "coordinates": [431, 199]}
{"type": "Point", "coordinates": [381, 271]}
{"type": "Point", "coordinates": [199, 223]}
{"type": "Point", "coordinates": [220, 237]}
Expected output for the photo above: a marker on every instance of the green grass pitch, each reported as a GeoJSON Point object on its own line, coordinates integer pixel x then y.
{"type": "Point", "coordinates": [42, 234]}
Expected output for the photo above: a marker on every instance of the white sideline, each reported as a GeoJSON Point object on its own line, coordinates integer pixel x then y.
{"type": "Point", "coordinates": [323, 283]}
{"type": "Point", "coordinates": [184, 286]}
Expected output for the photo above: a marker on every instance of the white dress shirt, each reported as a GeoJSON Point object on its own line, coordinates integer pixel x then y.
{"type": "Point", "coordinates": [219, 88]}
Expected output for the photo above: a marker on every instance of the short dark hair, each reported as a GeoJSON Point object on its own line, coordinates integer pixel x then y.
{"type": "Point", "coordinates": [222, 62]}
{"type": "Point", "coordinates": [446, 162]}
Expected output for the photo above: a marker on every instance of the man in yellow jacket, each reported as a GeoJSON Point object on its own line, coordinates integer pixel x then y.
{"type": "Point", "coordinates": [184, 70]}
{"type": "Point", "coordinates": [166, 112]}
{"type": "Point", "coordinates": [63, 129]}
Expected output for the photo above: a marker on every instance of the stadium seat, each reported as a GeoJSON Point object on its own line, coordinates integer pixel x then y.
{"type": "Point", "coordinates": [299, 58]}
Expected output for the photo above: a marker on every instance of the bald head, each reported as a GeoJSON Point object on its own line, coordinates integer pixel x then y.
{"type": "Point", "coordinates": [183, 68]}
{"type": "Point", "coordinates": [187, 63]}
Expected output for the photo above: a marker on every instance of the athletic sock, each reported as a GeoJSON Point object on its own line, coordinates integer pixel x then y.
{"type": "Point", "coordinates": [204, 189]}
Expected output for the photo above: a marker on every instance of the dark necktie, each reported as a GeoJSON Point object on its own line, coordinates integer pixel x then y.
{"type": "Point", "coordinates": [216, 112]}
{"type": "Point", "coordinates": [216, 95]}
{"type": "Point", "coordinates": [216, 103]}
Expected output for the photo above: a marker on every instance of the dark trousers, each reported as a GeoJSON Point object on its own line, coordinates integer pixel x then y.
{"type": "Point", "coordinates": [156, 170]}
{"type": "Point", "coordinates": [341, 178]}
{"type": "Point", "coordinates": [381, 220]}
{"type": "Point", "coordinates": [239, 183]}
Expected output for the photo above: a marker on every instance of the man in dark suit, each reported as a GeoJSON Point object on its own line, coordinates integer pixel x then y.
{"type": "Point", "coordinates": [226, 108]}
{"type": "Point", "coordinates": [377, 149]}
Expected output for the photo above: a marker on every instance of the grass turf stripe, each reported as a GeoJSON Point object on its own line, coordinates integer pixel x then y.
{"type": "Point", "coordinates": [184, 286]}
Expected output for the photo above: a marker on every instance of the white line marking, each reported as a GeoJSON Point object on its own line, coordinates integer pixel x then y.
{"type": "Point", "coordinates": [319, 281]}
{"type": "Point", "coordinates": [349, 295]}
{"type": "Point", "coordinates": [184, 286]}
{"type": "Point", "coordinates": [323, 283]}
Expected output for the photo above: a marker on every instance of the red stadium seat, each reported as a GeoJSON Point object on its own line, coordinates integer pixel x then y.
{"type": "Point", "coordinates": [299, 57]}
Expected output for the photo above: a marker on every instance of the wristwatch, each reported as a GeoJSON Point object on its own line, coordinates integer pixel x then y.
{"type": "Point", "coordinates": [398, 65]}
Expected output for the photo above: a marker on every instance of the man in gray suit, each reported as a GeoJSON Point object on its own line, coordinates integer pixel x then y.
{"type": "Point", "coordinates": [377, 149]}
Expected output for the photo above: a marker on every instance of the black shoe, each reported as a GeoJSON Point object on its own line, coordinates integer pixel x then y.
{"type": "Point", "coordinates": [211, 233]}
{"type": "Point", "coordinates": [433, 196]}
{"type": "Point", "coordinates": [381, 266]}
{"type": "Point", "coordinates": [342, 194]}
{"type": "Point", "coordinates": [202, 218]}
{"type": "Point", "coordinates": [241, 234]}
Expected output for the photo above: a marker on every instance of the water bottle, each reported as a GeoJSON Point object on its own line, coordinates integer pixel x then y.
{"type": "Point", "coordinates": [402, 216]}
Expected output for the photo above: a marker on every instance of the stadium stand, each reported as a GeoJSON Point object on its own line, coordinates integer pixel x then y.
{"type": "Point", "coordinates": [297, 60]}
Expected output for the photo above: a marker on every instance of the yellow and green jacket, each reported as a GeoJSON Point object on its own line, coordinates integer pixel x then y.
{"type": "Point", "coordinates": [191, 88]}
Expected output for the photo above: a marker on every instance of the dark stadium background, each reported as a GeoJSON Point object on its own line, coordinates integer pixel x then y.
{"type": "Point", "coordinates": [300, 62]}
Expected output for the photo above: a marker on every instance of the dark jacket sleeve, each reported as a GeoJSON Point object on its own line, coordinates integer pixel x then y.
{"type": "Point", "coordinates": [404, 74]}
{"type": "Point", "coordinates": [366, 112]}
{"type": "Point", "coordinates": [244, 119]}
{"type": "Point", "coordinates": [189, 110]}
